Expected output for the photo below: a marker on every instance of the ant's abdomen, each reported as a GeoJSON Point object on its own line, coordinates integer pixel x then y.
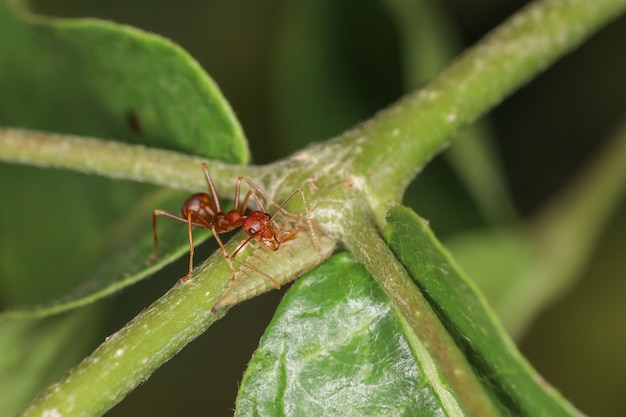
{"type": "Point", "coordinates": [201, 204]}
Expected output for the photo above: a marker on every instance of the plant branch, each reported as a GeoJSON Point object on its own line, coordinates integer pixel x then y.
{"type": "Point", "coordinates": [384, 154]}
{"type": "Point", "coordinates": [424, 329]}
{"type": "Point", "coordinates": [113, 159]}
{"type": "Point", "coordinates": [397, 142]}
{"type": "Point", "coordinates": [129, 357]}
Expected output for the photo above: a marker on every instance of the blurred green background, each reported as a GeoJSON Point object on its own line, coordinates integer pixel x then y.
{"type": "Point", "coordinates": [265, 57]}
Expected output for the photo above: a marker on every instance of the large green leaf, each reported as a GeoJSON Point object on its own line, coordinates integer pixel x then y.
{"type": "Point", "coordinates": [78, 275]}
{"type": "Point", "coordinates": [467, 318]}
{"type": "Point", "coordinates": [68, 239]}
{"type": "Point", "coordinates": [98, 78]}
{"type": "Point", "coordinates": [337, 347]}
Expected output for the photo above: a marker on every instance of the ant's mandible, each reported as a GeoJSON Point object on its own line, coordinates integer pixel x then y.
{"type": "Point", "coordinates": [204, 210]}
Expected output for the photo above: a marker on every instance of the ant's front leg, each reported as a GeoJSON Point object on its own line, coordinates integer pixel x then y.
{"type": "Point", "coordinates": [226, 255]}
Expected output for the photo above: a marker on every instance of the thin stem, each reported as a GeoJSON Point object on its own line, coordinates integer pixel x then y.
{"type": "Point", "coordinates": [113, 159]}
{"type": "Point", "coordinates": [565, 232]}
{"type": "Point", "coordinates": [361, 237]}
{"type": "Point", "coordinates": [406, 135]}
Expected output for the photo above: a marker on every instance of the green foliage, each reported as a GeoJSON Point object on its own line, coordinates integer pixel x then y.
{"type": "Point", "coordinates": [355, 336]}
{"type": "Point", "coordinates": [307, 356]}
{"type": "Point", "coordinates": [465, 315]}
{"type": "Point", "coordinates": [146, 90]}
{"type": "Point", "coordinates": [115, 81]}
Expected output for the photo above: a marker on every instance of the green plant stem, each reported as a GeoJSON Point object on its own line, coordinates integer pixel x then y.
{"type": "Point", "coordinates": [128, 357]}
{"type": "Point", "coordinates": [385, 153]}
{"type": "Point", "coordinates": [133, 353]}
{"type": "Point", "coordinates": [429, 41]}
{"type": "Point", "coordinates": [423, 327]}
{"type": "Point", "coordinates": [113, 159]}
{"type": "Point", "coordinates": [406, 135]}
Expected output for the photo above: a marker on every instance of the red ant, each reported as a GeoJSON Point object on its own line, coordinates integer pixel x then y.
{"type": "Point", "coordinates": [204, 210]}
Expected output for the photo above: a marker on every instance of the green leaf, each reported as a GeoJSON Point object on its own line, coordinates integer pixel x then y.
{"type": "Point", "coordinates": [337, 347]}
{"type": "Point", "coordinates": [490, 255]}
{"type": "Point", "coordinates": [86, 269]}
{"type": "Point", "coordinates": [68, 239]}
{"type": "Point", "coordinates": [470, 322]}
{"type": "Point", "coordinates": [98, 78]}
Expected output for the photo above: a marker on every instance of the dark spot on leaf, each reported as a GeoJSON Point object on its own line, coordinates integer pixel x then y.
{"type": "Point", "coordinates": [133, 121]}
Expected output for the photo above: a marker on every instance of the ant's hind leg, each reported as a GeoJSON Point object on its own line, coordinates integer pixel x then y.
{"type": "Point", "coordinates": [155, 257]}
{"type": "Point", "coordinates": [191, 249]}
{"type": "Point", "coordinates": [156, 213]}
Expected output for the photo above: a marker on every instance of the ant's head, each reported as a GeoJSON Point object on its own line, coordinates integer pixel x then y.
{"type": "Point", "coordinates": [258, 225]}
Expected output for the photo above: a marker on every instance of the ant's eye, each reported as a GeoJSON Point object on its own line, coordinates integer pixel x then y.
{"type": "Point", "coordinates": [268, 216]}
{"type": "Point", "coordinates": [252, 231]}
